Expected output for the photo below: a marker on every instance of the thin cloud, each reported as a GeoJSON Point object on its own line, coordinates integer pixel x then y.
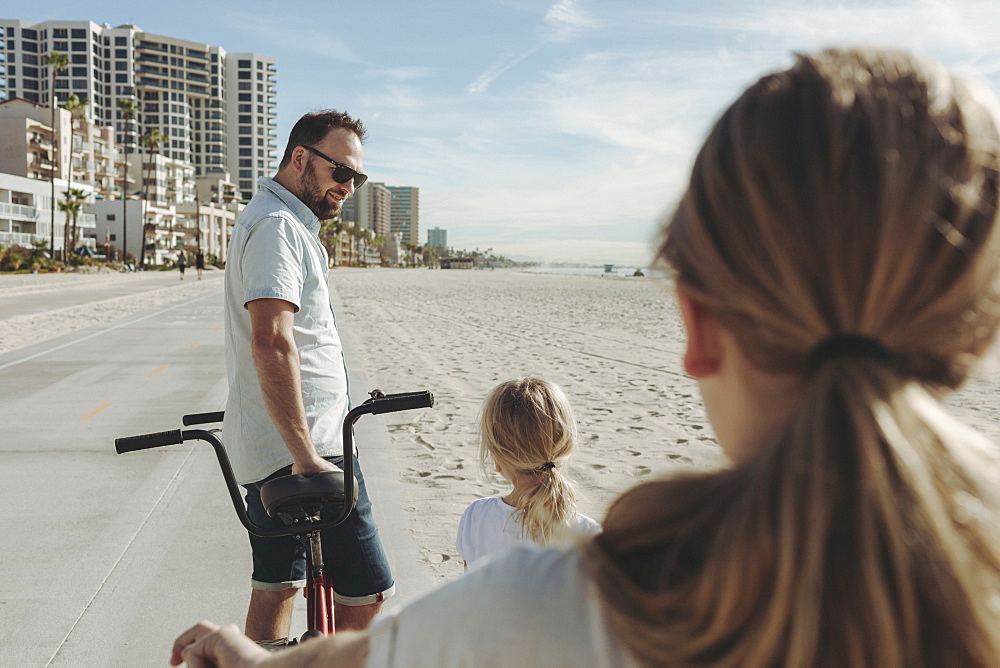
{"type": "Point", "coordinates": [497, 69]}
{"type": "Point", "coordinates": [562, 23]}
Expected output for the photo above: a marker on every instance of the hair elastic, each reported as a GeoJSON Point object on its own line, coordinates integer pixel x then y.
{"type": "Point", "coordinates": [546, 467]}
{"type": "Point", "coordinates": [847, 345]}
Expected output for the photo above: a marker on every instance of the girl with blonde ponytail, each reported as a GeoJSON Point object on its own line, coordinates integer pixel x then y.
{"type": "Point", "coordinates": [527, 434]}
{"type": "Point", "coordinates": [837, 264]}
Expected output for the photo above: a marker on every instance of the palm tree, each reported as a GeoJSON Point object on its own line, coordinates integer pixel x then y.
{"type": "Point", "coordinates": [71, 206]}
{"type": "Point", "coordinates": [76, 107]}
{"type": "Point", "coordinates": [152, 140]}
{"type": "Point", "coordinates": [57, 62]}
{"type": "Point", "coordinates": [129, 107]}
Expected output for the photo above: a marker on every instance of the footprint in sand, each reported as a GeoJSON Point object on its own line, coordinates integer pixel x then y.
{"type": "Point", "coordinates": [598, 467]}
{"type": "Point", "coordinates": [445, 476]}
{"type": "Point", "coordinates": [454, 465]}
{"type": "Point", "coordinates": [640, 471]}
{"type": "Point", "coordinates": [680, 458]}
{"type": "Point", "coordinates": [420, 440]}
{"type": "Point", "coordinates": [438, 558]}
{"type": "Point", "coordinates": [403, 426]}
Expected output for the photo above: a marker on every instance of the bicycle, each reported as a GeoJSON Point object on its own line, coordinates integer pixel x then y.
{"type": "Point", "coordinates": [299, 501]}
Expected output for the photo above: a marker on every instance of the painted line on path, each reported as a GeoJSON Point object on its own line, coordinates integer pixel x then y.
{"type": "Point", "coordinates": [97, 411]}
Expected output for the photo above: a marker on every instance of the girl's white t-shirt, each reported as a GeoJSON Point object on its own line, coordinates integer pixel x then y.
{"type": "Point", "coordinates": [489, 526]}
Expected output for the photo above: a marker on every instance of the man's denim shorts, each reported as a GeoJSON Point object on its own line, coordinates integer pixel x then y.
{"type": "Point", "coordinates": [352, 551]}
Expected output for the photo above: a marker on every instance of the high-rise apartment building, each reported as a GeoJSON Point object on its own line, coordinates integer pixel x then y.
{"type": "Point", "coordinates": [405, 219]}
{"type": "Point", "coordinates": [370, 207]}
{"type": "Point", "coordinates": [437, 238]}
{"type": "Point", "coordinates": [216, 109]}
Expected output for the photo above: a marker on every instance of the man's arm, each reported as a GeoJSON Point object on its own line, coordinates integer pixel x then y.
{"type": "Point", "coordinates": [277, 362]}
{"type": "Point", "coordinates": [205, 644]}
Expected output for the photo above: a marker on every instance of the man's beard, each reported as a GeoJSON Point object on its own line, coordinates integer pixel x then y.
{"type": "Point", "coordinates": [314, 197]}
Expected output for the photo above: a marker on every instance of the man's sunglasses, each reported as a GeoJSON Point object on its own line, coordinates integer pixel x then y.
{"type": "Point", "coordinates": [341, 173]}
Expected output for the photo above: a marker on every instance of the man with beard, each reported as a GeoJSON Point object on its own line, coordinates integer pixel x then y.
{"type": "Point", "coordinates": [287, 377]}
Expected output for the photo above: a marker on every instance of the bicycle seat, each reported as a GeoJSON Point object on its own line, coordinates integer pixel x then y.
{"type": "Point", "coordinates": [294, 492]}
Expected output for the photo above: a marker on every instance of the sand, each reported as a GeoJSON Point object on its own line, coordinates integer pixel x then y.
{"type": "Point", "coordinates": [614, 344]}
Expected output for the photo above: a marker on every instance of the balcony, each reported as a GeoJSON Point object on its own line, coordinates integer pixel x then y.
{"type": "Point", "coordinates": [150, 46]}
{"type": "Point", "coordinates": [158, 71]}
{"type": "Point", "coordinates": [18, 211]}
{"type": "Point", "coordinates": [152, 82]}
{"type": "Point", "coordinates": [193, 76]}
{"type": "Point", "coordinates": [152, 58]}
{"type": "Point", "coordinates": [20, 238]}
{"type": "Point", "coordinates": [201, 90]}
{"type": "Point", "coordinates": [197, 54]}
{"type": "Point", "coordinates": [197, 66]}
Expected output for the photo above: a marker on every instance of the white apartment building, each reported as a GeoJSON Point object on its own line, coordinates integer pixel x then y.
{"type": "Point", "coordinates": [216, 109]}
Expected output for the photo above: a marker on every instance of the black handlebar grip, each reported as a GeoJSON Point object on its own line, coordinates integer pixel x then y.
{"type": "Point", "coordinates": [147, 441]}
{"type": "Point", "coordinates": [402, 402]}
{"type": "Point", "coordinates": [202, 418]}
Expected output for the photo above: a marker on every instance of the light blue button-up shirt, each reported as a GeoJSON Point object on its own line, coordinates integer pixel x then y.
{"type": "Point", "coordinates": [275, 253]}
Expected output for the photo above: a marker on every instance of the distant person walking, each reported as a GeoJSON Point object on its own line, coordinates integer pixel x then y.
{"type": "Point", "coordinates": [182, 263]}
{"type": "Point", "coordinates": [527, 432]}
{"type": "Point", "coordinates": [287, 376]}
{"type": "Point", "coordinates": [199, 262]}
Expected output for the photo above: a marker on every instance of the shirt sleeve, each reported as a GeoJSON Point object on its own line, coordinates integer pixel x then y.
{"type": "Point", "coordinates": [462, 540]}
{"type": "Point", "coordinates": [272, 262]}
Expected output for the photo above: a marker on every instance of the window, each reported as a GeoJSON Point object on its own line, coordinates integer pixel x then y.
{"type": "Point", "coordinates": [246, 141]}
{"type": "Point", "coordinates": [79, 33]}
{"type": "Point", "coordinates": [79, 84]}
{"type": "Point", "coordinates": [246, 119]}
{"type": "Point", "coordinates": [121, 41]}
{"type": "Point", "coordinates": [246, 163]}
{"type": "Point", "coordinates": [59, 33]}
{"type": "Point", "coordinates": [246, 151]}
{"type": "Point", "coordinates": [241, 63]}
{"type": "Point", "coordinates": [246, 173]}
{"type": "Point", "coordinates": [30, 71]}
{"type": "Point", "coordinates": [121, 53]}
{"type": "Point", "coordinates": [245, 97]}
{"type": "Point", "coordinates": [110, 217]}
{"type": "Point", "coordinates": [78, 46]}
{"type": "Point", "coordinates": [121, 65]}
{"type": "Point", "coordinates": [79, 71]}
{"type": "Point", "coordinates": [80, 59]}
{"type": "Point", "coordinates": [245, 85]}
{"type": "Point", "coordinates": [28, 46]}
{"type": "Point", "coordinates": [121, 78]}
{"type": "Point", "coordinates": [27, 33]}
{"type": "Point", "coordinates": [243, 75]}
{"type": "Point", "coordinates": [60, 46]}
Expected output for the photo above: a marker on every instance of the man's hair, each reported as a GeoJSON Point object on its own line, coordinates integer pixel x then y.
{"type": "Point", "coordinates": [312, 128]}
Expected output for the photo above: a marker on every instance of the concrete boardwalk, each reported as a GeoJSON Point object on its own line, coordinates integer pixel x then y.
{"type": "Point", "coordinates": [106, 557]}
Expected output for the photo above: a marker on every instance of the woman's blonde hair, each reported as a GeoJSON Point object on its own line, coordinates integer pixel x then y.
{"type": "Point", "coordinates": [855, 193]}
{"type": "Point", "coordinates": [528, 430]}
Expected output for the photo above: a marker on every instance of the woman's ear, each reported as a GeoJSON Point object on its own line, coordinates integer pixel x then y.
{"type": "Point", "coordinates": [703, 355]}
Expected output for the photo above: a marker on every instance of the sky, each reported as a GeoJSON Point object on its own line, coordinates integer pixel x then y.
{"type": "Point", "coordinates": [552, 130]}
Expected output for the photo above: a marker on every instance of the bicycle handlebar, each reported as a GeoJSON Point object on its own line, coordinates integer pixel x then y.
{"type": "Point", "coordinates": [147, 441]}
{"type": "Point", "coordinates": [378, 404]}
{"type": "Point", "coordinates": [202, 418]}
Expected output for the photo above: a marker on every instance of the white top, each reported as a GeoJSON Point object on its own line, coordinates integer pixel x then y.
{"type": "Point", "coordinates": [489, 526]}
{"type": "Point", "coordinates": [275, 253]}
{"type": "Point", "coordinates": [533, 607]}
